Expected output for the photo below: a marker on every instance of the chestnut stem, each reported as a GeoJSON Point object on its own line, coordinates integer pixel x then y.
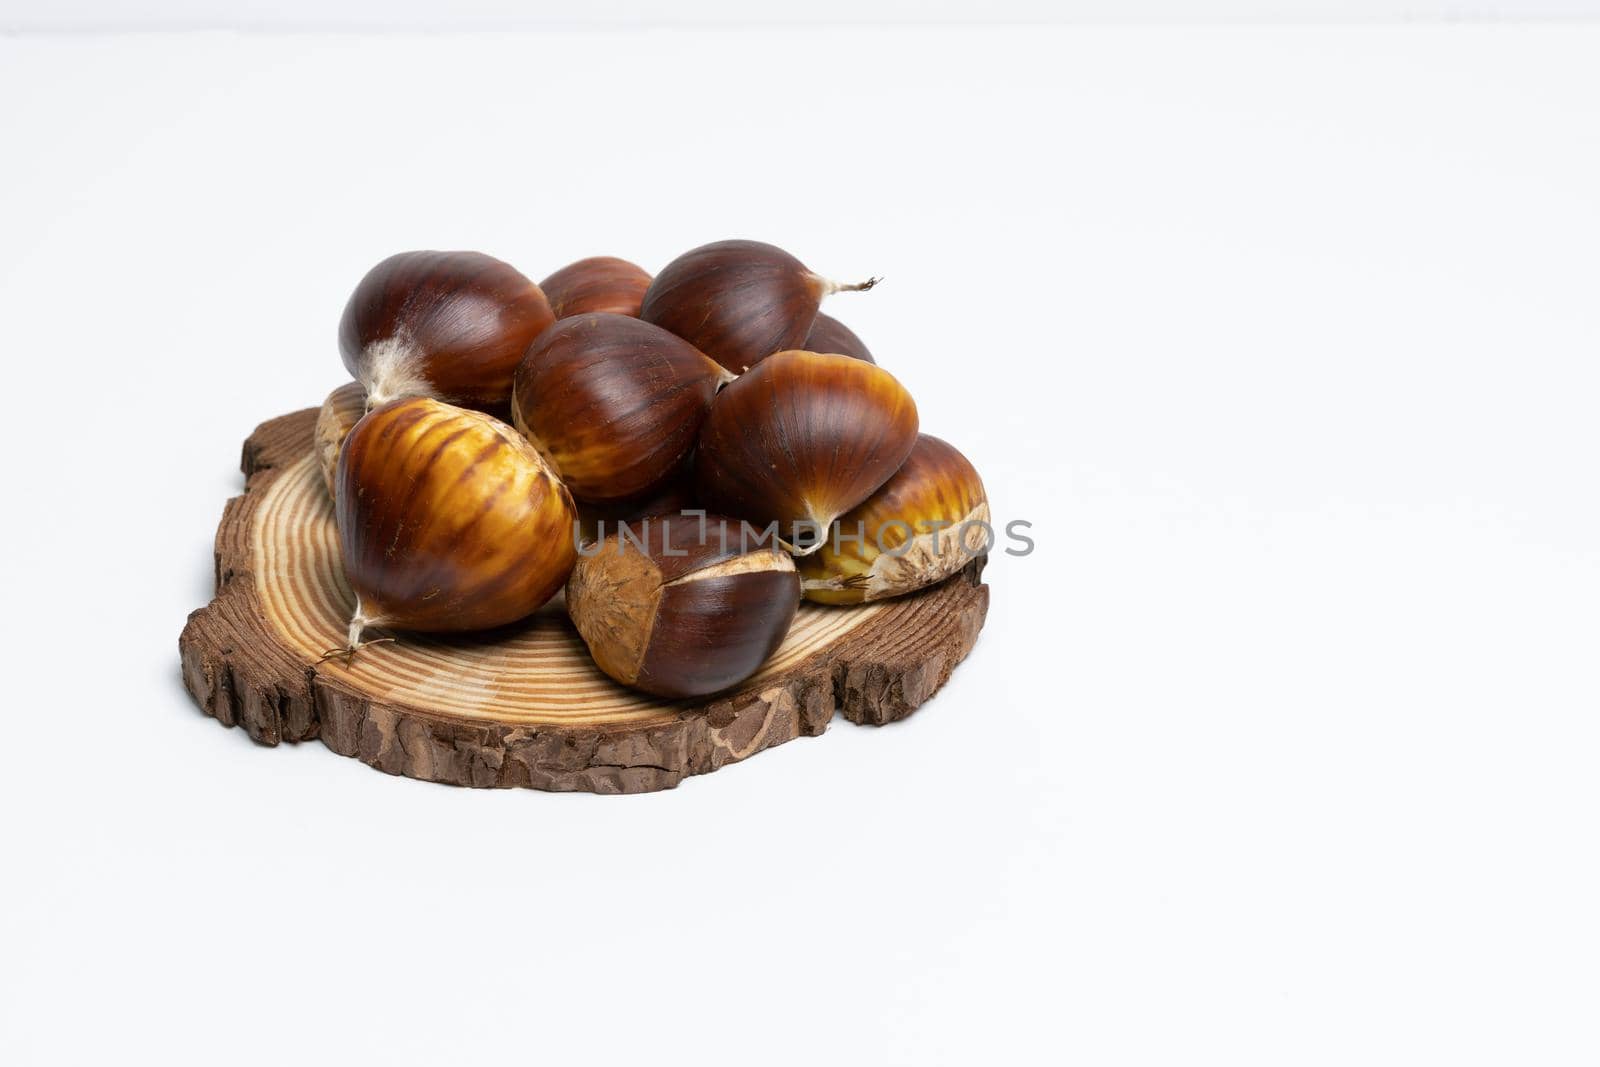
{"type": "Point", "coordinates": [831, 286]}
{"type": "Point", "coordinates": [358, 622]}
{"type": "Point", "coordinates": [351, 650]}
{"type": "Point", "coordinates": [353, 643]}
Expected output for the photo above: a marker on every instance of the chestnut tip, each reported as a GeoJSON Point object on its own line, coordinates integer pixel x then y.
{"type": "Point", "coordinates": [829, 286]}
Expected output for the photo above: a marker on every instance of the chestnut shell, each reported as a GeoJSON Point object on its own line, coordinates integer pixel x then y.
{"type": "Point", "coordinates": [337, 417]}
{"type": "Point", "coordinates": [693, 611]}
{"type": "Point", "coordinates": [909, 534]}
{"type": "Point", "coordinates": [452, 325]}
{"type": "Point", "coordinates": [615, 403]}
{"type": "Point", "coordinates": [736, 301]}
{"type": "Point", "coordinates": [597, 518]}
{"type": "Point", "coordinates": [448, 520]}
{"type": "Point", "coordinates": [803, 437]}
{"type": "Point", "coordinates": [599, 283]}
{"type": "Point", "coordinates": [828, 334]}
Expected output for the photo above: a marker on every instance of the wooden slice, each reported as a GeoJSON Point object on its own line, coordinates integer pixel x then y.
{"type": "Point", "coordinates": [525, 705]}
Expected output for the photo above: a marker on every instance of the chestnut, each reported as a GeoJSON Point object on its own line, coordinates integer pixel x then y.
{"type": "Point", "coordinates": [448, 520]}
{"type": "Point", "coordinates": [739, 301]}
{"type": "Point", "coordinates": [800, 439]}
{"type": "Point", "coordinates": [682, 605]}
{"type": "Point", "coordinates": [449, 325]}
{"type": "Point", "coordinates": [614, 403]}
{"type": "Point", "coordinates": [599, 283]}
{"type": "Point", "coordinates": [920, 527]}
{"type": "Point", "coordinates": [339, 415]}
{"type": "Point", "coordinates": [597, 518]}
{"type": "Point", "coordinates": [828, 334]}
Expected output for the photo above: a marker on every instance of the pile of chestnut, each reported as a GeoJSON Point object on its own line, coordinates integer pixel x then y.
{"type": "Point", "coordinates": [688, 455]}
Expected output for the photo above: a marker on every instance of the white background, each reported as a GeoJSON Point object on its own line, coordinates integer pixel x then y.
{"type": "Point", "coordinates": [388, 15]}
{"type": "Point", "coordinates": [1280, 750]}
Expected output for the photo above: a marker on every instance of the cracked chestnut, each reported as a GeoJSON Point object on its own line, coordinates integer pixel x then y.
{"type": "Point", "coordinates": [614, 403]}
{"type": "Point", "coordinates": [448, 520]}
{"type": "Point", "coordinates": [924, 524]}
{"type": "Point", "coordinates": [684, 606]}
{"type": "Point", "coordinates": [800, 439]}
{"type": "Point", "coordinates": [447, 325]}
{"type": "Point", "coordinates": [739, 301]}
{"type": "Point", "coordinates": [599, 283]}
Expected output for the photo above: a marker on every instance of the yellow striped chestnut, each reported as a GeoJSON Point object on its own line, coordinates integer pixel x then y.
{"type": "Point", "coordinates": [925, 524]}
{"type": "Point", "coordinates": [800, 439]}
{"type": "Point", "coordinates": [739, 301]}
{"type": "Point", "coordinates": [339, 415]}
{"type": "Point", "coordinates": [614, 403]}
{"type": "Point", "coordinates": [448, 325]}
{"type": "Point", "coordinates": [448, 520]}
{"type": "Point", "coordinates": [599, 283]}
{"type": "Point", "coordinates": [682, 605]}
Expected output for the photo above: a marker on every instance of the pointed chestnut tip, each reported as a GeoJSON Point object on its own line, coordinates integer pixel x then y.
{"type": "Point", "coordinates": [829, 286]}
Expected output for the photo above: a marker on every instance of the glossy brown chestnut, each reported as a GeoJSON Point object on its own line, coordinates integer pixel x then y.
{"type": "Point", "coordinates": [599, 283]}
{"type": "Point", "coordinates": [800, 439]}
{"type": "Point", "coordinates": [739, 301]}
{"type": "Point", "coordinates": [448, 520]}
{"type": "Point", "coordinates": [339, 415]}
{"type": "Point", "coordinates": [448, 325]}
{"type": "Point", "coordinates": [828, 334]}
{"type": "Point", "coordinates": [614, 403]}
{"type": "Point", "coordinates": [696, 609]}
{"type": "Point", "coordinates": [923, 525]}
